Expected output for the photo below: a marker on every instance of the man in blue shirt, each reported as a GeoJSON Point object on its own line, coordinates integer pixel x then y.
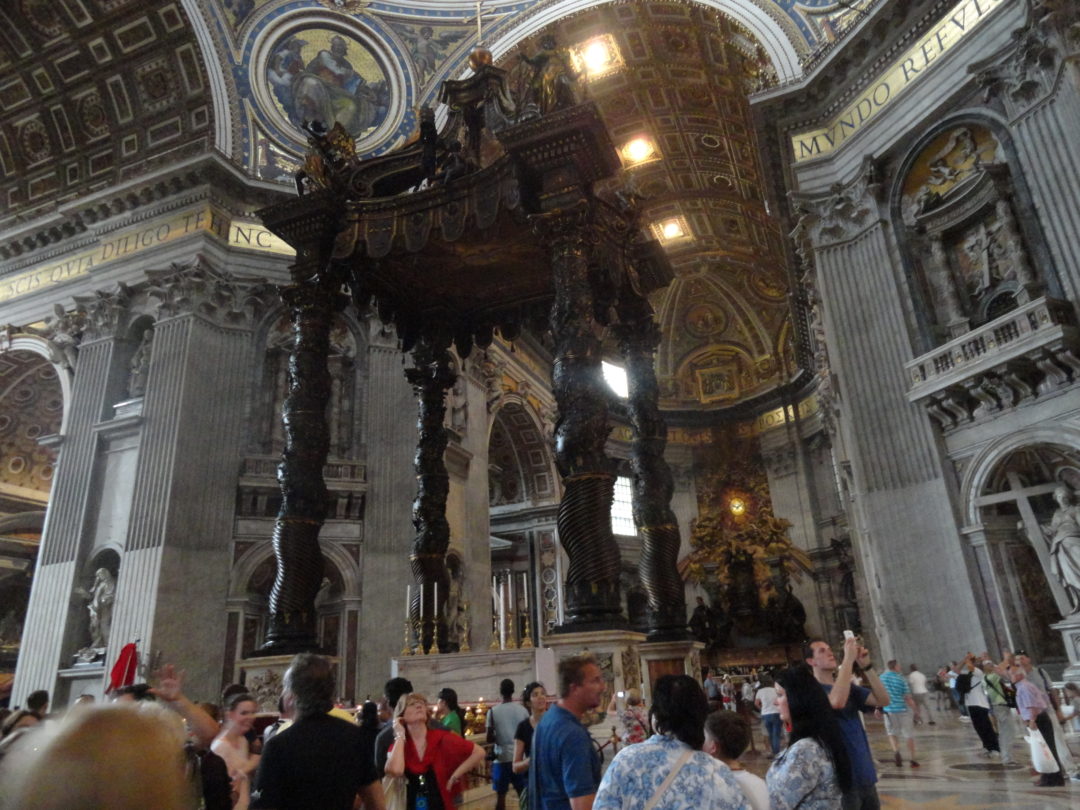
{"type": "Point", "coordinates": [898, 714]}
{"type": "Point", "coordinates": [564, 771]}
{"type": "Point", "coordinates": [848, 700]}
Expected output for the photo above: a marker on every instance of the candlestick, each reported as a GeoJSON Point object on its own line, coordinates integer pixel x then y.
{"type": "Point", "coordinates": [511, 642]}
{"type": "Point", "coordinates": [526, 639]}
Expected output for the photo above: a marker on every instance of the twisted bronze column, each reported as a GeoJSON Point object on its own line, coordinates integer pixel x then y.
{"type": "Point", "coordinates": [431, 375]}
{"type": "Point", "coordinates": [292, 626]}
{"type": "Point", "coordinates": [638, 337]}
{"type": "Point", "coordinates": [584, 521]}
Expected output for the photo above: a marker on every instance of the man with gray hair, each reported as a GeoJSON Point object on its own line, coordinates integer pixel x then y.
{"type": "Point", "coordinates": [318, 761]}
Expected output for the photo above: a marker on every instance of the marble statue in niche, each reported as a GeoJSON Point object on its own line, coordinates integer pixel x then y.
{"type": "Point", "coordinates": [139, 367]}
{"type": "Point", "coordinates": [1063, 535]}
{"type": "Point", "coordinates": [99, 606]}
{"type": "Point", "coordinates": [324, 75]}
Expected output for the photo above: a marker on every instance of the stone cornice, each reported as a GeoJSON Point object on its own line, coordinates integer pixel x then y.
{"type": "Point", "coordinates": [141, 198]}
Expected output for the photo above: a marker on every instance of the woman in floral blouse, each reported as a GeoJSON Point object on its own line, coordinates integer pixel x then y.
{"type": "Point", "coordinates": [640, 772]}
{"type": "Point", "coordinates": [814, 770]}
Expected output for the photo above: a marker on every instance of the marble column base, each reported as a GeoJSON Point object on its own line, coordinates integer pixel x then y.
{"type": "Point", "coordinates": [264, 678]}
{"type": "Point", "coordinates": [618, 652]}
{"type": "Point", "coordinates": [1069, 627]}
{"type": "Point", "coordinates": [476, 675]}
{"type": "Point", "coordinates": [669, 658]}
{"type": "Point", "coordinates": [79, 680]}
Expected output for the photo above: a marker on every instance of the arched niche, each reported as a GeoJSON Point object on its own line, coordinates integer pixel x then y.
{"type": "Point", "coordinates": [347, 366]}
{"type": "Point", "coordinates": [1011, 505]}
{"type": "Point", "coordinates": [969, 236]}
{"type": "Point", "coordinates": [523, 492]}
{"type": "Point", "coordinates": [249, 597]}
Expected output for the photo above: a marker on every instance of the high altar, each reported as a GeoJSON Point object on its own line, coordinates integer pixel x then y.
{"type": "Point", "coordinates": [493, 224]}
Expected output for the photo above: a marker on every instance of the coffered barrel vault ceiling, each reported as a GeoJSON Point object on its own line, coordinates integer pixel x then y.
{"type": "Point", "coordinates": [97, 93]}
{"type": "Point", "coordinates": [683, 80]}
{"type": "Point", "coordinates": [93, 92]}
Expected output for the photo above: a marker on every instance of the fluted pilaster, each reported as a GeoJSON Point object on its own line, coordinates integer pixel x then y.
{"type": "Point", "coordinates": [49, 611]}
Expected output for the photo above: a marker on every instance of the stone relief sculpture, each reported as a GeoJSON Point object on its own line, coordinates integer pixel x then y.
{"type": "Point", "coordinates": [100, 600]}
{"type": "Point", "coordinates": [1063, 535]}
{"type": "Point", "coordinates": [140, 365]}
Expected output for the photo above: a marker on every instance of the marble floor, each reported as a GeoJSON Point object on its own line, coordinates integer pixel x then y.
{"type": "Point", "coordinates": [952, 774]}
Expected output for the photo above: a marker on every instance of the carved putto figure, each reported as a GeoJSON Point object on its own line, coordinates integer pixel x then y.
{"type": "Point", "coordinates": [1063, 534]}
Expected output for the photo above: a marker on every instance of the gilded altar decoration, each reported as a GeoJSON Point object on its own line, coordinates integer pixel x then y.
{"type": "Point", "coordinates": [742, 554]}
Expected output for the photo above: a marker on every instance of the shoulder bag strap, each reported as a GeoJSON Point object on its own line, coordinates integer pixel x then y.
{"type": "Point", "coordinates": [670, 778]}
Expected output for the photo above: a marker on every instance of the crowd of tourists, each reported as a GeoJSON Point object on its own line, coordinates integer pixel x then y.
{"type": "Point", "coordinates": [152, 747]}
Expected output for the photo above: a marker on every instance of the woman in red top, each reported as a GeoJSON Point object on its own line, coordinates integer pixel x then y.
{"type": "Point", "coordinates": [433, 760]}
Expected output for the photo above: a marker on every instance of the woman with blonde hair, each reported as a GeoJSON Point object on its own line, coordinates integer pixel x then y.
{"type": "Point", "coordinates": [118, 757]}
{"type": "Point", "coordinates": [433, 761]}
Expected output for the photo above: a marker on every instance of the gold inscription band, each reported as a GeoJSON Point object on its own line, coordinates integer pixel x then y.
{"type": "Point", "coordinates": [954, 27]}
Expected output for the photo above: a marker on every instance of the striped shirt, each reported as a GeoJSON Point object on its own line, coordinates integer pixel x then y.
{"type": "Point", "coordinates": [897, 687]}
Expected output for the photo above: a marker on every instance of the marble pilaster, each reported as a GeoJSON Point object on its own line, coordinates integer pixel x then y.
{"type": "Point", "coordinates": [390, 431]}
{"type": "Point", "coordinates": [49, 613]}
{"type": "Point", "coordinates": [909, 541]}
{"type": "Point", "coordinates": [176, 556]}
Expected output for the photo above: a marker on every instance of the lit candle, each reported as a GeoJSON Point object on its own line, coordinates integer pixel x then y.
{"type": "Point", "coordinates": [408, 601]}
{"type": "Point", "coordinates": [502, 615]}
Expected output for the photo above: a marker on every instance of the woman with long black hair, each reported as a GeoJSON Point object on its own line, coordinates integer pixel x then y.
{"type": "Point", "coordinates": [813, 772]}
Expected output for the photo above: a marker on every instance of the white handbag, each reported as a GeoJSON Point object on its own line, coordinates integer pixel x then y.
{"type": "Point", "coordinates": [1041, 759]}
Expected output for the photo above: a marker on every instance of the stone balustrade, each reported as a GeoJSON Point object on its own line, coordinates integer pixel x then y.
{"type": "Point", "coordinates": [1030, 352]}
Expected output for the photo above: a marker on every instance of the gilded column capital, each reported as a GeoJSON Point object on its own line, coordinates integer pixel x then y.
{"type": "Point", "coordinates": [564, 227]}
